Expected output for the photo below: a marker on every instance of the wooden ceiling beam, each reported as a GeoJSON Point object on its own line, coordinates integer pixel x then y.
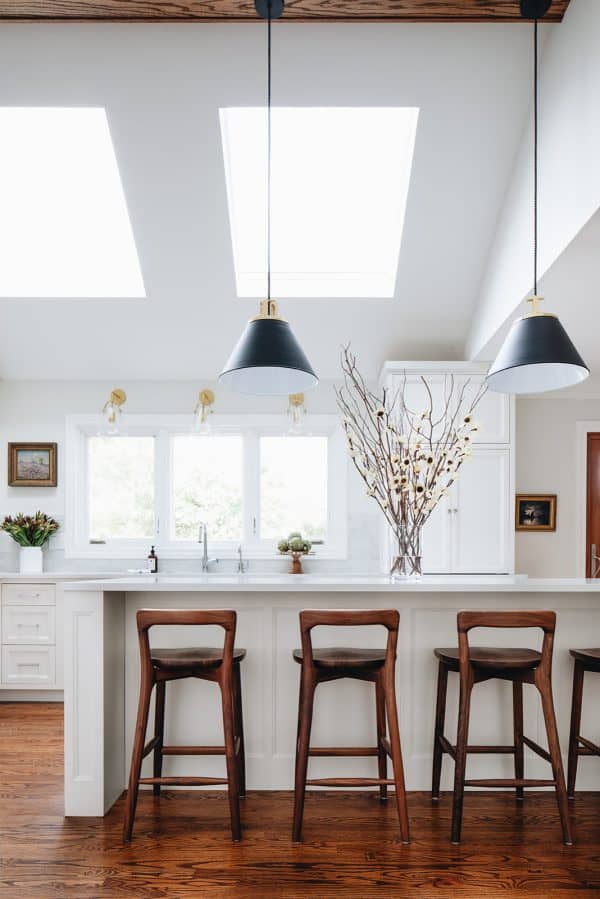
{"type": "Point", "coordinates": [296, 10]}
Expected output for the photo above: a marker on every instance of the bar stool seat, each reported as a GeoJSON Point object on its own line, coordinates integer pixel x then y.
{"type": "Point", "coordinates": [340, 656]}
{"type": "Point", "coordinates": [193, 657]}
{"type": "Point", "coordinates": [492, 658]}
{"type": "Point", "coordinates": [590, 657]}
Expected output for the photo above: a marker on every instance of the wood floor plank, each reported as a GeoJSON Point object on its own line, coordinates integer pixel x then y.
{"type": "Point", "coordinates": [182, 846]}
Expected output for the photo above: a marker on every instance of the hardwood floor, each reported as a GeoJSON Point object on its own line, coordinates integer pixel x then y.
{"type": "Point", "coordinates": [182, 846]}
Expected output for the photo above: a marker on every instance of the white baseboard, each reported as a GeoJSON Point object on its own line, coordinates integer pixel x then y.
{"type": "Point", "coordinates": [31, 696]}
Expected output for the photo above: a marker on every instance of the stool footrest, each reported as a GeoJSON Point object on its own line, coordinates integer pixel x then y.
{"type": "Point", "coordinates": [184, 781]}
{"type": "Point", "coordinates": [499, 783]}
{"type": "Point", "coordinates": [150, 745]}
{"type": "Point", "coordinates": [537, 749]}
{"type": "Point", "coordinates": [343, 750]}
{"type": "Point", "coordinates": [476, 750]}
{"type": "Point", "coordinates": [349, 782]}
{"type": "Point", "coordinates": [193, 750]}
{"type": "Point", "coordinates": [592, 748]}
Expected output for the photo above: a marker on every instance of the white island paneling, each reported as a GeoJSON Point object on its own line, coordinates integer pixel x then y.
{"type": "Point", "coordinates": [102, 674]}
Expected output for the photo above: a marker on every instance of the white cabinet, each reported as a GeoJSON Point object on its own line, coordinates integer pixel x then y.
{"type": "Point", "coordinates": [471, 530]}
{"type": "Point", "coordinates": [31, 632]}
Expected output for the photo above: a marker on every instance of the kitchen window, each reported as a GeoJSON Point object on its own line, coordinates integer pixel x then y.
{"type": "Point", "coordinates": [156, 480]}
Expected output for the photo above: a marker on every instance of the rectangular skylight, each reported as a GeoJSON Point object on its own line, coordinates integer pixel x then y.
{"type": "Point", "coordinates": [64, 225]}
{"type": "Point", "coordinates": [340, 180]}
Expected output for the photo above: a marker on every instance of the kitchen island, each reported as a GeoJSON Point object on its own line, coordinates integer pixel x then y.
{"type": "Point", "coordinates": [102, 674]}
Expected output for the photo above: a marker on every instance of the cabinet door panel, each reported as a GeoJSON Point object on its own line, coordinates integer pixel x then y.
{"type": "Point", "coordinates": [492, 411]}
{"type": "Point", "coordinates": [436, 540]}
{"type": "Point", "coordinates": [480, 530]}
{"type": "Point", "coordinates": [416, 395]}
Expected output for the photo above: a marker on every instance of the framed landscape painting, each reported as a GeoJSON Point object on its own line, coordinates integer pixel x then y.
{"type": "Point", "coordinates": [535, 512]}
{"type": "Point", "coordinates": [32, 464]}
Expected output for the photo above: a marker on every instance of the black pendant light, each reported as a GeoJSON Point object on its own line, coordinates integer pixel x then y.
{"type": "Point", "coordinates": [268, 360]}
{"type": "Point", "coordinates": [537, 354]}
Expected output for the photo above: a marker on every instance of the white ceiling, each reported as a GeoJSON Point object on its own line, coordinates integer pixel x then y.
{"type": "Point", "coordinates": [162, 86]}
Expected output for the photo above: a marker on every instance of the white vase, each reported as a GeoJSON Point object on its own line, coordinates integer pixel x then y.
{"type": "Point", "coordinates": [31, 560]}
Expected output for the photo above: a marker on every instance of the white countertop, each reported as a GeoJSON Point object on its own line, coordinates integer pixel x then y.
{"type": "Point", "coordinates": [51, 577]}
{"type": "Point", "coordinates": [313, 583]}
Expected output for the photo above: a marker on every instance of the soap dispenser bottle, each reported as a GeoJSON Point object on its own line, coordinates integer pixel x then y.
{"type": "Point", "coordinates": [152, 561]}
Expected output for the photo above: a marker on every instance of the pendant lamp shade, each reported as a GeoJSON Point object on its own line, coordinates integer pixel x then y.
{"type": "Point", "coordinates": [268, 360]}
{"type": "Point", "coordinates": [536, 356]}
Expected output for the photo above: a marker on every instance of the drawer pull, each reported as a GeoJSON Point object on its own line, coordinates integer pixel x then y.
{"type": "Point", "coordinates": [30, 666]}
{"type": "Point", "coordinates": [28, 595]}
{"type": "Point", "coordinates": [22, 624]}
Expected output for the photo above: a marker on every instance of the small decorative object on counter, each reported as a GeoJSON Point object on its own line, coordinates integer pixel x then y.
{"type": "Point", "coordinates": [152, 561]}
{"type": "Point", "coordinates": [31, 532]}
{"type": "Point", "coordinates": [295, 546]}
{"type": "Point", "coordinates": [407, 458]}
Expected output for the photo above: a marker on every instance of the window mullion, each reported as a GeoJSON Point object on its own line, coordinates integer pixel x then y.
{"type": "Point", "coordinates": [161, 488]}
{"type": "Point", "coordinates": [251, 487]}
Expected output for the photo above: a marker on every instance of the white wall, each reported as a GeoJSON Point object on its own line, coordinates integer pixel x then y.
{"type": "Point", "coordinates": [547, 463]}
{"type": "Point", "coordinates": [36, 410]}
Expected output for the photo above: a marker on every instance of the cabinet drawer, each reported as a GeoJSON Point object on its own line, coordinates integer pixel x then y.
{"type": "Point", "coordinates": [28, 594]}
{"type": "Point", "coordinates": [35, 665]}
{"type": "Point", "coordinates": [33, 625]}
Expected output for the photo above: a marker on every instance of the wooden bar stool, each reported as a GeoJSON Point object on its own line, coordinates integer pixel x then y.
{"type": "Point", "coordinates": [521, 666]}
{"type": "Point", "coordinates": [374, 665]}
{"type": "Point", "coordinates": [585, 660]}
{"type": "Point", "coordinates": [221, 665]}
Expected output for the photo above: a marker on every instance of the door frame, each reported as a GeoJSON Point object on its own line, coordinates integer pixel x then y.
{"type": "Point", "coordinates": [583, 428]}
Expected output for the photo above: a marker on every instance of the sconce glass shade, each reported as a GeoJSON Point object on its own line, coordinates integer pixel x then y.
{"type": "Point", "coordinates": [537, 356]}
{"type": "Point", "coordinates": [268, 361]}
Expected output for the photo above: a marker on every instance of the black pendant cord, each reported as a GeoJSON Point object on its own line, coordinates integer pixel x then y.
{"type": "Point", "coordinates": [269, 7]}
{"type": "Point", "coordinates": [535, 157]}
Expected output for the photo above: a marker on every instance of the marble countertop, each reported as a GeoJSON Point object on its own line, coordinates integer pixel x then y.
{"type": "Point", "coordinates": [313, 583]}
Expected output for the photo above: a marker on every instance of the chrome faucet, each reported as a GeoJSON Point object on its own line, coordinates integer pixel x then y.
{"type": "Point", "coordinates": [242, 566]}
{"type": "Point", "coordinates": [203, 539]}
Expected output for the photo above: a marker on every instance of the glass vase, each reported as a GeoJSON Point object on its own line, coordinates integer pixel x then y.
{"type": "Point", "coordinates": [406, 560]}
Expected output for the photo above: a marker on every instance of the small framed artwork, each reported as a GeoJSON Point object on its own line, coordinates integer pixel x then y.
{"type": "Point", "coordinates": [535, 512]}
{"type": "Point", "coordinates": [32, 464]}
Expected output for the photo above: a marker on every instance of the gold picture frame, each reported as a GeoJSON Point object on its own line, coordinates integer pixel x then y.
{"type": "Point", "coordinates": [32, 464]}
{"type": "Point", "coordinates": [535, 512]}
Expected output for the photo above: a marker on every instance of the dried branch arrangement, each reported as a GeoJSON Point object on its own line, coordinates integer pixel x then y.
{"type": "Point", "coordinates": [408, 458]}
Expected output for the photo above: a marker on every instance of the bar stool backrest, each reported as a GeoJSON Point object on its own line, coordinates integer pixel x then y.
{"type": "Point", "coordinates": [388, 618]}
{"type": "Point", "coordinates": [225, 618]}
{"type": "Point", "coordinates": [544, 620]}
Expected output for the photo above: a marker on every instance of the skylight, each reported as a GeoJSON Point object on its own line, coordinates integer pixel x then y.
{"type": "Point", "coordinates": [340, 180]}
{"type": "Point", "coordinates": [64, 225]}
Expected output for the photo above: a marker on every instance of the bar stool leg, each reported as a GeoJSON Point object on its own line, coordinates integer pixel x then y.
{"type": "Point", "coordinates": [239, 729]}
{"type": "Point", "coordinates": [518, 735]}
{"type": "Point", "coordinates": [159, 732]}
{"type": "Point", "coordinates": [381, 733]}
{"type": "Point", "coordinates": [545, 689]}
{"type": "Point", "coordinates": [137, 755]}
{"type": "Point", "coordinates": [440, 720]}
{"type": "Point", "coordinates": [306, 703]}
{"type": "Point", "coordinates": [462, 737]}
{"type": "Point", "coordinates": [392, 716]}
{"type": "Point", "coordinates": [227, 699]}
{"type": "Point", "coordinates": [576, 703]}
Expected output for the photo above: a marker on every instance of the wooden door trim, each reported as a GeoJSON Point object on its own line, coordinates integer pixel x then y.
{"type": "Point", "coordinates": [591, 437]}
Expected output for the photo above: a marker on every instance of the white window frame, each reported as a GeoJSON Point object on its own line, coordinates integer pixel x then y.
{"type": "Point", "coordinates": [163, 428]}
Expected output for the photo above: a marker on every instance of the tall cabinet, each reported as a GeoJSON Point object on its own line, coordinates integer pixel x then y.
{"type": "Point", "coordinates": [471, 531]}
